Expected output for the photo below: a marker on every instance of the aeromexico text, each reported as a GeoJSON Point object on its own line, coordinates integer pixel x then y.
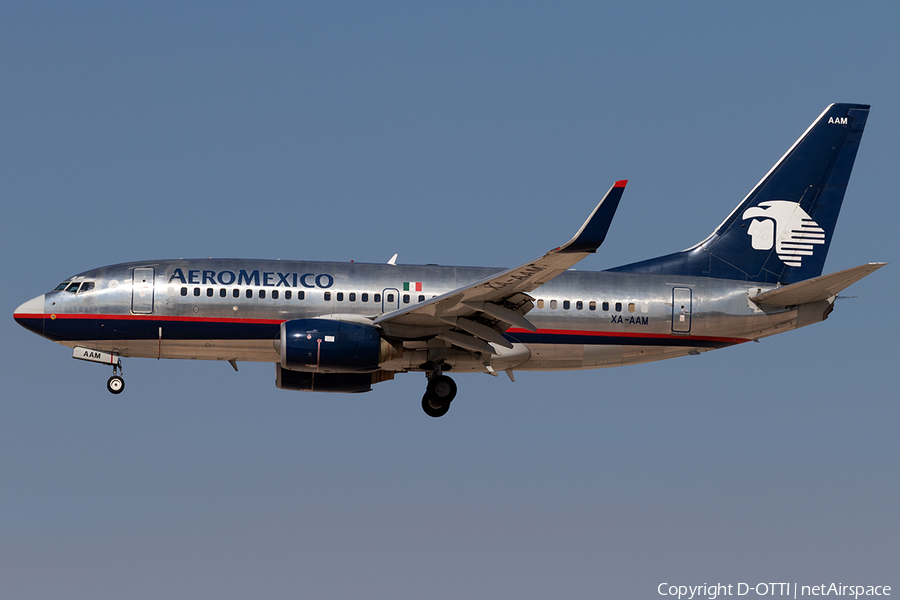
{"type": "Point", "coordinates": [255, 278]}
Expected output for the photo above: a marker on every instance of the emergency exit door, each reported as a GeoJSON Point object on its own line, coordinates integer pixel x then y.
{"type": "Point", "coordinates": [390, 299]}
{"type": "Point", "coordinates": [142, 291]}
{"type": "Point", "coordinates": [681, 310]}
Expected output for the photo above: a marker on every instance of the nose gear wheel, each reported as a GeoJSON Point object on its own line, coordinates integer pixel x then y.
{"type": "Point", "coordinates": [115, 384]}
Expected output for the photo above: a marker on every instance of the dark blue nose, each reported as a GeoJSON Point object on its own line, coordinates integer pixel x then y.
{"type": "Point", "coordinates": [30, 315]}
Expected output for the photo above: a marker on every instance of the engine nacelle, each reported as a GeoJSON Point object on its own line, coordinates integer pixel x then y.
{"type": "Point", "coordinates": [345, 383]}
{"type": "Point", "coordinates": [326, 346]}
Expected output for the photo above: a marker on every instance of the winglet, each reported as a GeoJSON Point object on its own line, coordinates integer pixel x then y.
{"type": "Point", "coordinates": [594, 230]}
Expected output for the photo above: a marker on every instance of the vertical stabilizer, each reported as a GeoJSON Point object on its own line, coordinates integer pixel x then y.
{"type": "Point", "coordinates": [781, 231]}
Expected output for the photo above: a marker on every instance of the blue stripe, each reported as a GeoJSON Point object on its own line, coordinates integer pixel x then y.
{"type": "Point", "coordinates": [114, 329]}
{"type": "Point", "coordinates": [613, 340]}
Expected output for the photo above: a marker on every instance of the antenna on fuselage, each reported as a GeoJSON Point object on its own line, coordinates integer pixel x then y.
{"type": "Point", "coordinates": [393, 260]}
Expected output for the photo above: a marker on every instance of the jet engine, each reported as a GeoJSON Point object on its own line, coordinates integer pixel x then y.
{"type": "Point", "coordinates": [327, 346]}
{"type": "Point", "coordinates": [345, 383]}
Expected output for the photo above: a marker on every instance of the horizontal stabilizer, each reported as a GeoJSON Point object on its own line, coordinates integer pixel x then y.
{"type": "Point", "coordinates": [817, 288]}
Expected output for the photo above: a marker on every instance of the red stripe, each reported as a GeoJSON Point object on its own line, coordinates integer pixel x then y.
{"type": "Point", "coordinates": [620, 183]}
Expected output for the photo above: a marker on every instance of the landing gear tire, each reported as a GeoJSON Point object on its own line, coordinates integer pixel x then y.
{"type": "Point", "coordinates": [433, 409]}
{"type": "Point", "coordinates": [115, 384]}
{"type": "Point", "coordinates": [441, 389]}
{"type": "Point", "coordinates": [439, 394]}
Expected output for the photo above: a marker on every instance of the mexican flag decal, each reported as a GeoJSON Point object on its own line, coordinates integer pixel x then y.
{"type": "Point", "coordinates": [412, 286]}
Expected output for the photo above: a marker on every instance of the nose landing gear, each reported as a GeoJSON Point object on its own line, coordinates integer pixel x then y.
{"type": "Point", "coordinates": [439, 394]}
{"type": "Point", "coordinates": [116, 383]}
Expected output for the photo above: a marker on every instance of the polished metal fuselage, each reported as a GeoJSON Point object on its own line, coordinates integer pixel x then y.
{"type": "Point", "coordinates": [220, 309]}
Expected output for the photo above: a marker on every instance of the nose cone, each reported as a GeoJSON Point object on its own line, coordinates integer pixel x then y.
{"type": "Point", "coordinates": [31, 315]}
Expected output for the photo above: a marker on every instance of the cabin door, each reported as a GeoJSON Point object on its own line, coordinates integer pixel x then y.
{"type": "Point", "coordinates": [681, 310]}
{"type": "Point", "coordinates": [142, 292]}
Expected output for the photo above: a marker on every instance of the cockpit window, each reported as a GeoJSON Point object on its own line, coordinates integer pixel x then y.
{"type": "Point", "coordinates": [73, 287]}
{"type": "Point", "coordinates": [86, 287]}
{"type": "Point", "coordinates": [61, 286]}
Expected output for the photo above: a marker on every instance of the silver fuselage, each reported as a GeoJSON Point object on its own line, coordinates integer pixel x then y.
{"type": "Point", "coordinates": [220, 309]}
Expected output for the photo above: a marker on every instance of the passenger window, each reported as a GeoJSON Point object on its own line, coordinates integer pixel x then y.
{"type": "Point", "coordinates": [390, 297]}
{"type": "Point", "coordinates": [287, 294]}
{"type": "Point", "coordinates": [262, 293]}
{"type": "Point", "coordinates": [377, 297]}
{"type": "Point", "coordinates": [365, 297]}
{"type": "Point", "coordinates": [340, 296]}
{"type": "Point", "coordinates": [352, 296]}
{"type": "Point", "coordinates": [421, 298]}
{"type": "Point", "coordinates": [184, 291]}
{"type": "Point", "coordinates": [618, 307]}
{"type": "Point", "coordinates": [566, 305]}
{"type": "Point", "coordinates": [631, 307]}
{"type": "Point", "coordinates": [223, 292]}
{"type": "Point", "coordinates": [236, 293]}
{"type": "Point", "coordinates": [540, 304]}
{"type": "Point", "coordinates": [196, 291]}
{"type": "Point", "coordinates": [405, 298]}
{"type": "Point", "coordinates": [73, 287]}
{"type": "Point", "coordinates": [553, 304]}
{"type": "Point", "coordinates": [249, 293]}
{"type": "Point", "coordinates": [645, 307]}
{"type": "Point", "coordinates": [579, 305]}
{"type": "Point", "coordinates": [592, 305]}
{"type": "Point", "coordinates": [605, 307]}
{"type": "Point", "coordinates": [301, 295]}
{"type": "Point", "coordinates": [327, 296]}
{"type": "Point", "coordinates": [274, 294]}
{"type": "Point", "coordinates": [209, 292]}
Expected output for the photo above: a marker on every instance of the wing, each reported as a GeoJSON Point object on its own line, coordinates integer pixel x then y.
{"type": "Point", "coordinates": [472, 316]}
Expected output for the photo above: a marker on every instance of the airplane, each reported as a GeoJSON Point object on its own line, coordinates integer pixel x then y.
{"type": "Point", "coordinates": [343, 327]}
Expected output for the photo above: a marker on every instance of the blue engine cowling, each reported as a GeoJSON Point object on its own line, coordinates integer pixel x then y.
{"type": "Point", "coordinates": [326, 346]}
{"type": "Point", "coordinates": [345, 383]}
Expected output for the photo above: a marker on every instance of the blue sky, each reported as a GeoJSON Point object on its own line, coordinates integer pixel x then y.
{"type": "Point", "coordinates": [471, 134]}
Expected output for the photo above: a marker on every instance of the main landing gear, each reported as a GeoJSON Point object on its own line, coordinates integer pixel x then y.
{"type": "Point", "coordinates": [439, 394]}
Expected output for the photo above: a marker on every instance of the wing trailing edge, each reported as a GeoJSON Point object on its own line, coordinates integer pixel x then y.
{"type": "Point", "coordinates": [480, 312]}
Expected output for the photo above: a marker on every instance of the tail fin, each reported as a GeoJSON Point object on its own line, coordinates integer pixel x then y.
{"type": "Point", "coordinates": [780, 233]}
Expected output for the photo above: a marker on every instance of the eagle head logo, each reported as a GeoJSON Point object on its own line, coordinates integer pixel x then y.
{"type": "Point", "coordinates": [786, 226]}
